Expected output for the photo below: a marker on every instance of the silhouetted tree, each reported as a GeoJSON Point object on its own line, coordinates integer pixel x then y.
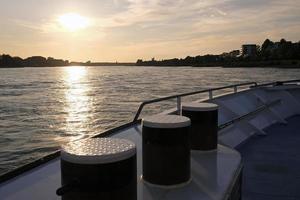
{"type": "Point", "coordinates": [8, 61]}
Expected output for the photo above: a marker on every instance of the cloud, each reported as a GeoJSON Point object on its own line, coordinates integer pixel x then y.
{"type": "Point", "coordinates": [197, 18]}
{"type": "Point", "coordinates": [188, 18]}
{"type": "Point", "coordinates": [154, 11]}
{"type": "Point", "coordinates": [165, 28]}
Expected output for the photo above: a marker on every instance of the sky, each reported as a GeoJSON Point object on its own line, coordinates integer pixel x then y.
{"type": "Point", "coordinates": [127, 30]}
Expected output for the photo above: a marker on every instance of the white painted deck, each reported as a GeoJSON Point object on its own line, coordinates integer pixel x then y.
{"type": "Point", "coordinates": [212, 176]}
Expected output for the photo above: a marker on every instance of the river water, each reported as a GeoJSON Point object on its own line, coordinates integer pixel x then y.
{"type": "Point", "coordinates": [42, 108]}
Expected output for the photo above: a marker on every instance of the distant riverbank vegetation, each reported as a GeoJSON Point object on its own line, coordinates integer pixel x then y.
{"type": "Point", "coordinates": [283, 53]}
{"type": "Point", "coordinates": [7, 61]}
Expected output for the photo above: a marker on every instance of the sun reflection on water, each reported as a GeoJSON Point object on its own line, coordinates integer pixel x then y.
{"type": "Point", "coordinates": [78, 102]}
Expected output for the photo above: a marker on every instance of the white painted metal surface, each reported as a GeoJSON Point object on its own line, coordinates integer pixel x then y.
{"type": "Point", "coordinates": [231, 106]}
{"type": "Point", "coordinates": [98, 150]}
{"type": "Point", "coordinates": [192, 106]}
{"type": "Point", "coordinates": [166, 121]}
{"type": "Point", "coordinates": [212, 175]}
{"type": "Point", "coordinates": [37, 184]}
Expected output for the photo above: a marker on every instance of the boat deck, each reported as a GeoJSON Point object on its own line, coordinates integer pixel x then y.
{"type": "Point", "coordinates": [272, 163]}
{"type": "Point", "coordinates": [213, 176]}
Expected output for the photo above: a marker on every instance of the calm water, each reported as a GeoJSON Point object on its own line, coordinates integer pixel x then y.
{"type": "Point", "coordinates": [42, 108]}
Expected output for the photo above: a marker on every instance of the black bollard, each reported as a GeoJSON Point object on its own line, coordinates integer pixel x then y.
{"type": "Point", "coordinates": [99, 168]}
{"type": "Point", "coordinates": [204, 125]}
{"type": "Point", "coordinates": [166, 150]}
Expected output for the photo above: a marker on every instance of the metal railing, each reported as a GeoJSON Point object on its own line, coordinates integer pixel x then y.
{"type": "Point", "coordinates": [276, 83]}
{"type": "Point", "coordinates": [179, 96]}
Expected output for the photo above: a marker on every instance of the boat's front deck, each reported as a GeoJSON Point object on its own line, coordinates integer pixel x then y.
{"type": "Point", "coordinates": [272, 163]}
{"type": "Point", "coordinates": [213, 175]}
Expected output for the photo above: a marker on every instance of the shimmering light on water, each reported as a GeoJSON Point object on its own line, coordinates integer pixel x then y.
{"type": "Point", "coordinates": [78, 103]}
{"type": "Point", "coordinates": [75, 73]}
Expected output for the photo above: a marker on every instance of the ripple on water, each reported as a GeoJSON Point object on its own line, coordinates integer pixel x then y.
{"type": "Point", "coordinates": [43, 108]}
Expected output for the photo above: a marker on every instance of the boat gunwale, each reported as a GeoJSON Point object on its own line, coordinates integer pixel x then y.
{"type": "Point", "coordinates": [49, 157]}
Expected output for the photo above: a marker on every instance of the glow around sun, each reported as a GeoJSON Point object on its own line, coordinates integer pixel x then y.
{"type": "Point", "coordinates": [73, 22]}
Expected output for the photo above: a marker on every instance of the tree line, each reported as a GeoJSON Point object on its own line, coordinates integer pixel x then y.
{"type": "Point", "coordinates": [284, 53]}
{"type": "Point", "coordinates": [34, 61]}
{"type": "Point", "coordinates": [39, 61]}
{"type": "Point", "coordinates": [269, 53]}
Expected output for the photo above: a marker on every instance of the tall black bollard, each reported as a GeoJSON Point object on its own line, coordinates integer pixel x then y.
{"type": "Point", "coordinates": [204, 125]}
{"type": "Point", "coordinates": [166, 150]}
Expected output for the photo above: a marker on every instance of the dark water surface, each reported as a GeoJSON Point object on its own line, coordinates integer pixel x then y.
{"type": "Point", "coordinates": [42, 108]}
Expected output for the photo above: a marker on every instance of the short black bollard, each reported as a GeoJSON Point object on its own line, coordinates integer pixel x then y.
{"type": "Point", "coordinates": [99, 168]}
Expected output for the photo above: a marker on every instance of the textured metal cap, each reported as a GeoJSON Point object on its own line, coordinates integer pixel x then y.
{"type": "Point", "coordinates": [199, 106]}
{"type": "Point", "coordinates": [98, 150]}
{"type": "Point", "coordinates": [166, 121]}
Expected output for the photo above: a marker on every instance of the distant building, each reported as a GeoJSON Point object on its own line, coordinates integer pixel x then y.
{"type": "Point", "coordinates": [249, 50]}
{"type": "Point", "coordinates": [231, 54]}
{"type": "Point", "coordinates": [234, 53]}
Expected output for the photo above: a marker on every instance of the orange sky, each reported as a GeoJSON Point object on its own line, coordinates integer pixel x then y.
{"type": "Point", "coordinates": [126, 30]}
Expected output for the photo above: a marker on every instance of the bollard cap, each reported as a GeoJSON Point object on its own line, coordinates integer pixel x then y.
{"type": "Point", "coordinates": [166, 121]}
{"type": "Point", "coordinates": [193, 106]}
{"type": "Point", "coordinates": [98, 150]}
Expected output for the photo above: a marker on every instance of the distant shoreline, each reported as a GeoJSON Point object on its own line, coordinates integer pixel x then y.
{"type": "Point", "coordinates": [267, 64]}
{"type": "Point", "coordinates": [284, 64]}
{"type": "Point", "coordinates": [92, 65]}
{"type": "Point", "coordinates": [282, 54]}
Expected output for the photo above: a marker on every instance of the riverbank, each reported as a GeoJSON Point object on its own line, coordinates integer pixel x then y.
{"type": "Point", "coordinates": [288, 64]}
{"type": "Point", "coordinates": [265, 64]}
{"type": "Point", "coordinates": [7, 61]}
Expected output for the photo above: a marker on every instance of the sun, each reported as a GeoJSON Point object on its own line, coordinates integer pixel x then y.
{"type": "Point", "coordinates": [73, 22]}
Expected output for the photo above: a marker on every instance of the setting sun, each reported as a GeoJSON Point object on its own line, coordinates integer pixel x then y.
{"type": "Point", "coordinates": [73, 22]}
